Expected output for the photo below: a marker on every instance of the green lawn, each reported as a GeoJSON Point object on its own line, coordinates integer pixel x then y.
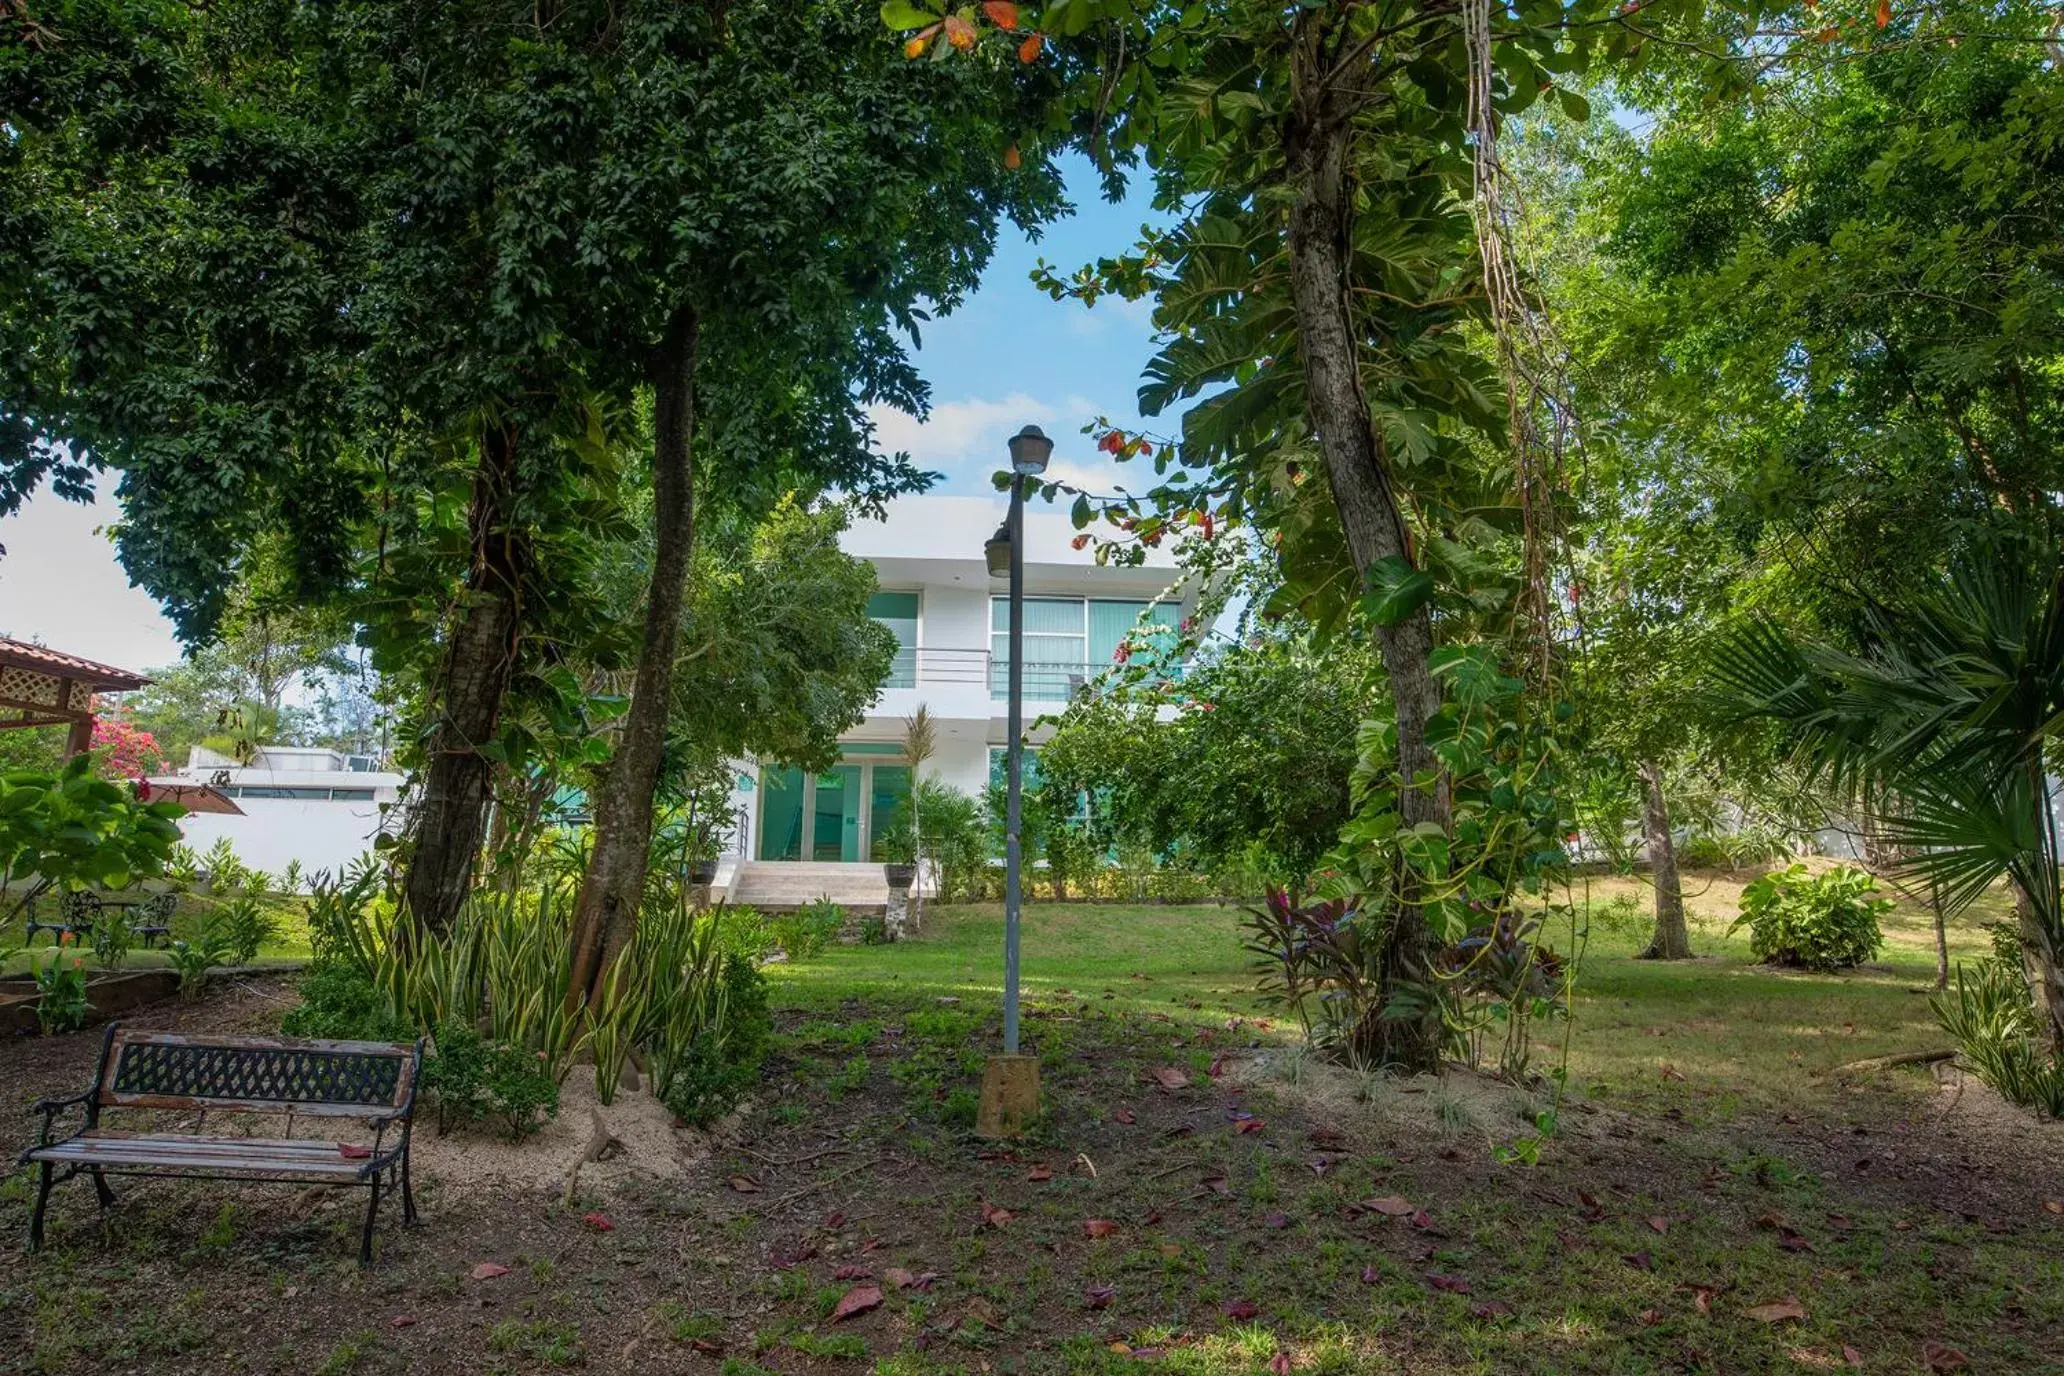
{"type": "Point", "coordinates": [289, 943]}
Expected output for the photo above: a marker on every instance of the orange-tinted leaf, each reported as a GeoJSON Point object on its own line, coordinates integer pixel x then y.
{"type": "Point", "coordinates": [1389, 1205]}
{"type": "Point", "coordinates": [994, 1216]}
{"type": "Point", "coordinates": [1829, 34]}
{"type": "Point", "coordinates": [745, 1184]}
{"type": "Point", "coordinates": [1249, 1125]}
{"type": "Point", "coordinates": [1002, 13]}
{"type": "Point", "coordinates": [1028, 51]}
{"type": "Point", "coordinates": [959, 32]}
{"type": "Point", "coordinates": [601, 1223]}
{"type": "Point", "coordinates": [1082, 542]}
{"type": "Point", "coordinates": [1777, 1311]}
{"type": "Point", "coordinates": [1884, 13]}
{"type": "Point", "coordinates": [857, 1300]}
{"type": "Point", "coordinates": [1099, 1227]}
{"type": "Point", "coordinates": [1012, 158]}
{"type": "Point", "coordinates": [488, 1270]}
{"type": "Point", "coordinates": [914, 48]}
{"type": "Point", "coordinates": [1042, 1171]}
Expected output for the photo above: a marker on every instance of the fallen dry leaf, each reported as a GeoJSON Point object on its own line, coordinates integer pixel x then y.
{"type": "Point", "coordinates": [1453, 1285]}
{"type": "Point", "coordinates": [1240, 1309]}
{"type": "Point", "coordinates": [1491, 1309]}
{"type": "Point", "coordinates": [1851, 1355]}
{"type": "Point", "coordinates": [857, 1300]}
{"type": "Point", "coordinates": [1218, 1184]}
{"type": "Point", "coordinates": [1370, 1275]}
{"type": "Point", "coordinates": [994, 1216]}
{"type": "Point", "coordinates": [2055, 1206]}
{"type": "Point", "coordinates": [1279, 1365]}
{"type": "Point", "coordinates": [1249, 1125]}
{"type": "Point", "coordinates": [1702, 1296]}
{"type": "Point", "coordinates": [897, 1278]}
{"type": "Point", "coordinates": [1659, 1223]}
{"type": "Point", "coordinates": [1099, 1227]}
{"type": "Point", "coordinates": [1168, 1077]}
{"type": "Point", "coordinates": [488, 1270]}
{"type": "Point", "coordinates": [351, 1151]}
{"type": "Point", "coordinates": [1777, 1311]}
{"type": "Point", "coordinates": [850, 1273]}
{"type": "Point", "coordinates": [745, 1184]}
{"type": "Point", "coordinates": [984, 1313]}
{"type": "Point", "coordinates": [1651, 1317]}
{"type": "Point", "coordinates": [1275, 1218]}
{"type": "Point", "coordinates": [1042, 1171]}
{"type": "Point", "coordinates": [1640, 1261]}
{"type": "Point", "coordinates": [1943, 1357]}
{"type": "Point", "coordinates": [1390, 1205]}
{"type": "Point", "coordinates": [402, 1321]}
{"type": "Point", "coordinates": [1125, 1115]}
{"type": "Point", "coordinates": [1099, 1296]}
{"type": "Point", "coordinates": [601, 1223]}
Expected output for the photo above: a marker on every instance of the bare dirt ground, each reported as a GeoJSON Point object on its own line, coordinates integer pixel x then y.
{"type": "Point", "coordinates": [1197, 1200]}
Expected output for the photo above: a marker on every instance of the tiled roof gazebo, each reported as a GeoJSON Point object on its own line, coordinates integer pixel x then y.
{"type": "Point", "coordinates": [43, 687]}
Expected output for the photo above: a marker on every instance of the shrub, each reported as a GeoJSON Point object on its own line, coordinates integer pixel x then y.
{"type": "Point", "coordinates": [1990, 1015]}
{"type": "Point", "coordinates": [475, 1079]}
{"type": "Point", "coordinates": [718, 1070]}
{"type": "Point", "coordinates": [194, 959]}
{"type": "Point", "coordinates": [1819, 922]}
{"type": "Point", "coordinates": [340, 1002]}
{"type": "Point", "coordinates": [112, 937]}
{"type": "Point", "coordinates": [245, 926]}
{"type": "Point", "coordinates": [809, 929]}
{"type": "Point", "coordinates": [61, 991]}
{"type": "Point", "coordinates": [1622, 916]}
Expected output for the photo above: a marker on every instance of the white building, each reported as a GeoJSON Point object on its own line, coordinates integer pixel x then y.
{"type": "Point", "coordinates": [317, 806]}
{"type": "Point", "coordinates": [951, 619]}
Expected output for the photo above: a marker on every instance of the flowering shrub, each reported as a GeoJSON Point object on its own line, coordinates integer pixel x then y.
{"type": "Point", "coordinates": [122, 750]}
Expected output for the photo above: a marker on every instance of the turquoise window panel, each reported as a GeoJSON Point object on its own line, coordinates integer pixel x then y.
{"type": "Point", "coordinates": [781, 814]}
{"type": "Point", "coordinates": [835, 819]}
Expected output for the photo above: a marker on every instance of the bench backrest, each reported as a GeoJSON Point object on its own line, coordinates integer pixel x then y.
{"type": "Point", "coordinates": [174, 1070]}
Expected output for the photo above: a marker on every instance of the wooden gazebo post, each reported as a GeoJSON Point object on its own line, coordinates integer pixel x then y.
{"type": "Point", "coordinates": [42, 687]}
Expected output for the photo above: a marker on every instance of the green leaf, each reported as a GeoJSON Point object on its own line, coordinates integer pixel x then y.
{"type": "Point", "coordinates": [1396, 590]}
{"type": "Point", "coordinates": [901, 14]}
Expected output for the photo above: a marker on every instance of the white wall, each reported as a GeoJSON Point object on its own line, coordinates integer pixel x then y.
{"type": "Point", "coordinates": [272, 831]}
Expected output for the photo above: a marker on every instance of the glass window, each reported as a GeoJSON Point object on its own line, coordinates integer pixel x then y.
{"type": "Point", "coordinates": [781, 814]}
{"type": "Point", "coordinates": [1056, 647]}
{"type": "Point", "coordinates": [351, 795]}
{"type": "Point", "coordinates": [898, 611]}
{"type": "Point", "coordinates": [835, 825]}
{"type": "Point", "coordinates": [887, 789]}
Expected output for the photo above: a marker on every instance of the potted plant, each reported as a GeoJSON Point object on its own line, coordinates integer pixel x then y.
{"type": "Point", "coordinates": [898, 850]}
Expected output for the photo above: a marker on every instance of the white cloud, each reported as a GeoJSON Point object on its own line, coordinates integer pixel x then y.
{"type": "Point", "coordinates": [60, 585]}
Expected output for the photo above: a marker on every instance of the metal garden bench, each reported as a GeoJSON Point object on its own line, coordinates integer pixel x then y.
{"type": "Point", "coordinates": [374, 1081]}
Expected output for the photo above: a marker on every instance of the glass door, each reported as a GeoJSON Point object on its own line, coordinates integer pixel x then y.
{"type": "Point", "coordinates": [888, 785]}
{"type": "Point", "coordinates": [835, 814]}
{"type": "Point", "coordinates": [781, 814]}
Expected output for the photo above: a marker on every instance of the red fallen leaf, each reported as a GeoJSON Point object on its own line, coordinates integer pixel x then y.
{"type": "Point", "coordinates": [351, 1151]}
{"type": "Point", "coordinates": [1042, 1171]}
{"type": "Point", "coordinates": [1370, 1275]}
{"type": "Point", "coordinates": [745, 1184]}
{"type": "Point", "coordinates": [925, 1280]}
{"type": "Point", "coordinates": [836, 1218]}
{"type": "Point", "coordinates": [1590, 1203]}
{"type": "Point", "coordinates": [1851, 1355]}
{"type": "Point", "coordinates": [1275, 1218]}
{"type": "Point", "coordinates": [1659, 1223]}
{"type": "Point", "coordinates": [1168, 1077]}
{"type": "Point", "coordinates": [402, 1321]}
{"type": "Point", "coordinates": [1218, 1065]}
{"type": "Point", "coordinates": [708, 1347]}
{"type": "Point", "coordinates": [1002, 13]}
{"type": "Point", "coordinates": [1099, 1296]}
{"type": "Point", "coordinates": [601, 1223]}
{"type": "Point", "coordinates": [488, 1270]}
{"type": "Point", "coordinates": [1491, 1309]}
{"type": "Point", "coordinates": [870, 1244]}
{"type": "Point", "coordinates": [897, 1278]}
{"type": "Point", "coordinates": [1279, 1365]}
{"type": "Point", "coordinates": [1702, 1296]}
{"type": "Point", "coordinates": [1422, 1220]}
{"type": "Point", "coordinates": [1028, 51]}
{"type": "Point", "coordinates": [1240, 1309]}
{"type": "Point", "coordinates": [1390, 1205]}
{"type": "Point", "coordinates": [993, 1216]}
{"type": "Point", "coordinates": [1099, 1227]}
{"type": "Point", "coordinates": [1777, 1311]}
{"type": "Point", "coordinates": [1839, 1222]}
{"type": "Point", "coordinates": [850, 1273]}
{"type": "Point", "coordinates": [1246, 1125]}
{"type": "Point", "coordinates": [1453, 1285]}
{"type": "Point", "coordinates": [1793, 1242]}
{"type": "Point", "coordinates": [857, 1300]}
{"type": "Point", "coordinates": [1126, 1115]}
{"type": "Point", "coordinates": [1640, 1261]}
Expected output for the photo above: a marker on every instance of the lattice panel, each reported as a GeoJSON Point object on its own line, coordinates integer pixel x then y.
{"type": "Point", "coordinates": [82, 697]}
{"type": "Point", "coordinates": [25, 685]}
{"type": "Point", "coordinates": [274, 1074]}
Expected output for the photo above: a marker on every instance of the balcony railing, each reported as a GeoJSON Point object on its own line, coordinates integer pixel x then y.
{"type": "Point", "coordinates": [1044, 682]}
{"type": "Point", "coordinates": [916, 666]}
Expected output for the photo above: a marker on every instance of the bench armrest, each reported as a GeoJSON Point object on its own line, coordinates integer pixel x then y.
{"type": "Point", "coordinates": [50, 1108]}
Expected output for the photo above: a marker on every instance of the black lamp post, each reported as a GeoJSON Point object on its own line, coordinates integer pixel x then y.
{"type": "Point", "coordinates": [1010, 1088]}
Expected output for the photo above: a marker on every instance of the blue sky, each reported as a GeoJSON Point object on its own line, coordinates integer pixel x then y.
{"type": "Point", "coordinates": [1008, 357]}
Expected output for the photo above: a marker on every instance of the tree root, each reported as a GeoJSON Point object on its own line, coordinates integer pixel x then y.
{"type": "Point", "coordinates": [1870, 1063]}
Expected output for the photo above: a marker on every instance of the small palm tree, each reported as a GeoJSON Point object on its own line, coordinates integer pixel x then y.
{"type": "Point", "coordinates": [920, 739]}
{"type": "Point", "coordinates": [1939, 729]}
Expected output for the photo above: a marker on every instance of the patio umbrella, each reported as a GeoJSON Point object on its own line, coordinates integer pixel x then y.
{"type": "Point", "coordinates": [193, 796]}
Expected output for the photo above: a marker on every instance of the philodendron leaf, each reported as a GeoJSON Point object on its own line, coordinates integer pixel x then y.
{"type": "Point", "coordinates": [1396, 590]}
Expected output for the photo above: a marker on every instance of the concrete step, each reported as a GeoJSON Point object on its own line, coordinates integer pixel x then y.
{"type": "Point", "coordinates": [780, 884]}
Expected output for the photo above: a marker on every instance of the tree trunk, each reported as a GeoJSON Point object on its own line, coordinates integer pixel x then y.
{"type": "Point", "coordinates": [1941, 939]}
{"type": "Point", "coordinates": [2044, 969]}
{"type": "Point", "coordinates": [1318, 146]}
{"type": "Point", "coordinates": [479, 661]}
{"type": "Point", "coordinates": [606, 913]}
{"type": "Point", "coordinates": [1671, 940]}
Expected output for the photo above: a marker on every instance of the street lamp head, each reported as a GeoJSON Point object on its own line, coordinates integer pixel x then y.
{"type": "Point", "coordinates": [997, 551]}
{"type": "Point", "coordinates": [1029, 451]}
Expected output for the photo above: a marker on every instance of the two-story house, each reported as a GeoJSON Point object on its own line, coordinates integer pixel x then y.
{"type": "Point", "coordinates": [801, 835]}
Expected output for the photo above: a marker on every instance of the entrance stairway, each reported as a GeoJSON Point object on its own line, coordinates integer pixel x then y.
{"type": "Point", "coordinates": [784, 885]}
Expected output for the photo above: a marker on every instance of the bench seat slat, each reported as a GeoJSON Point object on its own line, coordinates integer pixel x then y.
{"type": "Point", "coordinates": [171, 1151]}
